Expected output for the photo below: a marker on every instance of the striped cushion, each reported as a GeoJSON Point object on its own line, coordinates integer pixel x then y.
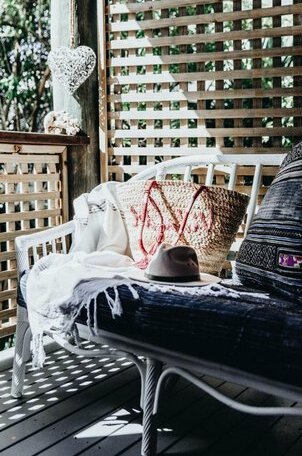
{"type": "Point", "coordinates": [271, 255]}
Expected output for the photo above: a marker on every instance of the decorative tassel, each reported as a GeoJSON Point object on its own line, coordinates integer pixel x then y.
{"type": "Point", "coordinates": [38, 352]}
{"type": "Point", "coordinates": [76, 336]}
{"type": "Point", "coordinates": [133, 291]}
{"type": "Point", "coordinates": [117, 308]}
{"type": "Point", "coordinates": [110, 303]}
{"type": "Point", "coordinates": [88, 309]}
{"type": "Point", "coordinates": [95, 321]}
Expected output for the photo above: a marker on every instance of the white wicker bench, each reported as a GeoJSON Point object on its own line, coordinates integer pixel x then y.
{"type": "Point", "coordinates": [150, 367]}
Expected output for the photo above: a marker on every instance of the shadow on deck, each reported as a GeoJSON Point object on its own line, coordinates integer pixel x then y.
{"type": "Point", "coordinates": [91, 407]}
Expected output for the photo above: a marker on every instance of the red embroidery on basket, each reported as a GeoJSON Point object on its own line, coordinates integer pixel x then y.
{"type": "Point", "coordinates": [196, 222]}
{"type": "Point", "coordinates": [136, 216]}
{"type": "Point", "coordinates": [199, 220]}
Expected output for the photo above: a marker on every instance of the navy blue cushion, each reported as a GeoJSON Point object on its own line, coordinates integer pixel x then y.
{"type": "Point", "coordinates": [271, 254]}
{"type": "Point", "coordinates": [21, 289]}
{"type": "Point", "coordinates": [260, 336]}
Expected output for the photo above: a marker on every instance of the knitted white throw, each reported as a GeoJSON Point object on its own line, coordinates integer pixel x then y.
{"type": "Point", "coordinates": [99, 251]}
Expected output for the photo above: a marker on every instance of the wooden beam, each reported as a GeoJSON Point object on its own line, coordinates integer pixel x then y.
{"type": "Point", "coordinates": [89, 176]}
{"type": "Point", "coordinates": [103, 96]}
{"type": "Point", "coordinates": [17, 137]}
{"type": "Point", "coordinates": [83, 164]}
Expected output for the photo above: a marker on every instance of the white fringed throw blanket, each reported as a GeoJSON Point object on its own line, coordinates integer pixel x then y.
{"type": "Point", "coordinates": [100, 257]}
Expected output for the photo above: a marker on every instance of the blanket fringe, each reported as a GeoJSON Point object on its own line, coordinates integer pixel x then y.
{"type": "Point", "coordinates": [114, 303]}
{"type": "Point", "coordinates": [86, 295]}
{"type": "Point", "coordinates": [38, 353]}
{"type": "Point", "coordinates": [76, 335]}
{"type": "Point", "coordinates": [89, 301]}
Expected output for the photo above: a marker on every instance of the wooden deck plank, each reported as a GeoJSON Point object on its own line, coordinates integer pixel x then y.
{"type": "Point", "coordinates": [131, 431]}
{"type": "Point", "coordinates": [128, 417]}
{"type": "Point", "coordinates": [206, 430]}
{"type": "Point", "coordinates": [112, 423]}
{"type": "Point", "coordinates": [280, 437]}
{"type": "Point", "coordinates": [242, 437]}
{"type": "Point", "coordinates": [180, 424]}
{"type": "Point", "coordinates": [104, 418]}
{"type": "Point", "coordinates": [296, 448]}
{"type": "Point", "coordinates": [56, 365]}
{"type": "Point", "coordinates": [33, 418]}
{"type": "Point", "coordinates": [121, 392]}
{"type": "Point", "coordinates": [47, 385]}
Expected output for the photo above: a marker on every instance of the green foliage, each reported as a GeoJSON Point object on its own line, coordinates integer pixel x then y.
{"type": "Point", "coordinates": [25, 94]}
{"type": "Point", "coordinates": [7, 342]}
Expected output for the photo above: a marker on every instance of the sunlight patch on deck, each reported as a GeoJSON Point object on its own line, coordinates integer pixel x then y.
{"type": "Point", "coordinates": [122, 422]}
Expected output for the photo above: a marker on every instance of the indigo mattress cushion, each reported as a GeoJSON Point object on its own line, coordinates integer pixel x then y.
{"type": "Point", "coordinates": [259, 336]}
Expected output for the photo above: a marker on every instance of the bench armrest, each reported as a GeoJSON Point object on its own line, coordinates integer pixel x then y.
{"type": "Point", "coordinates": [45, 240]}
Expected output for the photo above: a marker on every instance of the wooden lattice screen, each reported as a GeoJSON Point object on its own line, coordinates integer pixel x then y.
{"type": "Point", "coordinates": [194, 77]}
{"type": "Point", "coordinates": [33, 195]}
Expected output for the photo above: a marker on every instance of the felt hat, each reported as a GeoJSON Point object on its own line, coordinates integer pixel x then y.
{"type": "Point", "coordinates": [175, 265]}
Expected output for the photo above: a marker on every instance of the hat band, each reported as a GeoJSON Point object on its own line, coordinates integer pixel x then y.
{"type": "Point", "coordinates": [192, 278]}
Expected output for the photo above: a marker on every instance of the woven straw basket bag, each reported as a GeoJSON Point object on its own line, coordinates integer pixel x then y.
{"type": "Point", "coordinates": [175, 212]}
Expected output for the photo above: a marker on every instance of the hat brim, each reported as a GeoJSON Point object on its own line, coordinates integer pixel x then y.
{"type": "Point", "coordinates": [205, 279]}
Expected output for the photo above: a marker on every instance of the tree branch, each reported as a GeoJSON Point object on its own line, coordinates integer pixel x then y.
{"type": "Point", "coordinates": [2, 115]}
{"type": "Point", "coordinates": [40, 91]}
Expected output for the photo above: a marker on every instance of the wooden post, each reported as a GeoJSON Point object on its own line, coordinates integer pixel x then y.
{"type": "Point", "coordinates": [102, 71]}
{"type": "Point", "coordinates": [84, 162]}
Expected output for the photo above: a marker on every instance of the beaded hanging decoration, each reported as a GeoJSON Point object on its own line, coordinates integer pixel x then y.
{"type": "Point", "coordinates": [72, 66]}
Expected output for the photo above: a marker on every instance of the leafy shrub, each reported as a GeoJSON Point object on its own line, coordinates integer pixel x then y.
{"type": "Point", "coordinates": [25, 93]}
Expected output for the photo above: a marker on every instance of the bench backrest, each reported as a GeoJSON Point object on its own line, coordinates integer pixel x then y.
{"type": "Point", "coordinates": [246, 173]}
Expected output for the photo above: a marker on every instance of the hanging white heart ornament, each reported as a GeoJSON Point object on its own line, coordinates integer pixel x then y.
{"type": "Point", "coordinates": [72, 66]}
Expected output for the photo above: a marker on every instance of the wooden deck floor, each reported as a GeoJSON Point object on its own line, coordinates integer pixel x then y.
{"type": "Point", "coordinates": [79, 406]}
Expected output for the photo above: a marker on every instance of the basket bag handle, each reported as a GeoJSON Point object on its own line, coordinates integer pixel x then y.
{"type": "Point", "coordinates": [160, 236]}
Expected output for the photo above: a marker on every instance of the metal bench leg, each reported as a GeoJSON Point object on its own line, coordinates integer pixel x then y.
{"type": "Point", "coordinates": [141, 365]}
{"type": "Point", "coordinates": [22, 352]}
{"type": "Point", "coordinates": [154, 369]}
